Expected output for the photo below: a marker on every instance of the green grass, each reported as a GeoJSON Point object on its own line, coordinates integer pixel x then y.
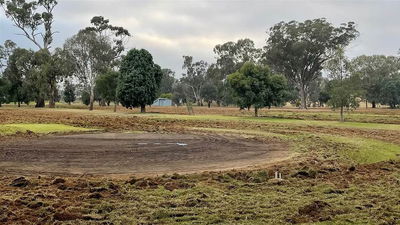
{"type": "Point", "coordinates": [8, 129]}
{"type": "Point", "coordinates": [365, 151]}
{"type": "Point", "coordinates": [356, 149]}
{"type": "Point", "coordinates": [317, 123]}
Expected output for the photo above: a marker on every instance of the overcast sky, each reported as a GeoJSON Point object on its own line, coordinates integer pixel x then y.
{"type": "Point", "coordinates": [170, 29]}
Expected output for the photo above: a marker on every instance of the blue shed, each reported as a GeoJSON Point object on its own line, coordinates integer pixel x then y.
{"type": "Point", "coordinates": [162, 102]}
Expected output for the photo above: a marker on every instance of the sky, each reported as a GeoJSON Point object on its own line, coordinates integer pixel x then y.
{"type": "Point", "coordinates": [169, 29]}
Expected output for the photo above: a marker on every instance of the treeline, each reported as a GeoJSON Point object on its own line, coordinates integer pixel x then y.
{"type": "Point", "coordinates": [302, 63]}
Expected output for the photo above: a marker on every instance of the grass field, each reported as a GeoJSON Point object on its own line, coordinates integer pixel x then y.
{"type": "Point", "coordinates": [338, 173]}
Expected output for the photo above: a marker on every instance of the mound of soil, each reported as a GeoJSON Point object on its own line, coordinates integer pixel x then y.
{"type": "Point", "coordinates": [122, 153]}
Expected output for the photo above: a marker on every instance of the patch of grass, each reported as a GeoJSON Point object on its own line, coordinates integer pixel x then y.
{"type": "Point", "coordinates": [359, 150]}
{"type": "Point", "coordinates": [300, 122]}
{"type": "Point", "coordinates": [366, 151]}
{"type": "Point", "coordinates": [8, 129]}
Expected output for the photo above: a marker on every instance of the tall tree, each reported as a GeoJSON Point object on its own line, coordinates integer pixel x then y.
{"type": "Point", "coordinates": [299, 49]}
{"type": "Point", "coordinates": [5, 52]}
{"type": "Point", "coordinates": [115, 36]}
{"type": "Point", "coordinates": [33, 18]}
{"type": "Point", "coordinates": [19, 69]}
{"type": "Point", "coordinates": [140, 79]}
{"type": "Point", "coordinates": [256, 85]}
{"type": "Point", "coordinates": [195, 76]}
{"type": "Point", "coordinates": [167, 81]}
{"type": "Point", "coordinates": [4, 90]}
{"type": "Point", "coordinates": [230, 56]}
{"type": "Point", "coordinates": [91, 55]}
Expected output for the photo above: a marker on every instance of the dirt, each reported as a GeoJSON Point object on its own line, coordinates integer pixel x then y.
{"type": "Point", "coordinates": [127, 153]}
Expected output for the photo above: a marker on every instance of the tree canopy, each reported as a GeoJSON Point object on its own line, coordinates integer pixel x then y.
{"type": "Point", "coordinates": [255, 85]}
{"type": "Point", "coordinates": [299, 49]}
{"type": "Point", "coordinates": [139, 81]}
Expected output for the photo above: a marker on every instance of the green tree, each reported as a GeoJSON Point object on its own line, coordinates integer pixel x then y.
{"type": "Point", "coordinates": [5, 52]}
{"type": "Point", "coordinates": [140, 79]}
{"type": "Point", "coordinates": [4, 90]}
{"type": "Point", "coordinates": [114, 35]}
{"type": "Point", "coordinates": [18, 71]}
{"type": "Point", "coordinates": [343, 88]}
{"type": "Point", "coordinates": [69, 92]}
{"type": "Point", "coordinates": [90, 55]}
{"type": "Point", "coordinates": [256, 85]}
{"type": "Point", "coordinates": [390, 94]}
{"type": "Point", "coordinates": [85, 97]}
{"type": "Point", "coordinates": [33, 18]}
{"type": "Point", "coordinates": [374, 71]}
{"type": "Point", "coordinates": [180, 93]}
{"type": "Point", "coordinates": [106, 87]}
{"type": "Point", "coordinates": [194, 77]}
{"type": "Point", "coordinates": [230, 56]}
{"type": "Point", "coordinates": [209, 93]}
{"type": "Point", "coordinates": [299, 49]}
{"type": "Point", "coordinates": [167, 81]}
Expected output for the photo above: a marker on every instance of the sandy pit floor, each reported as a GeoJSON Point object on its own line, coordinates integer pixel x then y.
{"type": "Point", "coordinates": [123, 153]}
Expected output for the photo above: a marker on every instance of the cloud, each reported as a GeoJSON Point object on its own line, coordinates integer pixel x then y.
{"type": "Point", "coordinates": [172, 28]}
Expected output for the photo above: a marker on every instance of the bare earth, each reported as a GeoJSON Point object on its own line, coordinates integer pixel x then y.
{"type": "Point", "coordinates": [123, 153]}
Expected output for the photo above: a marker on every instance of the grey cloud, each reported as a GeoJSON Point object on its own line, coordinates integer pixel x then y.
{"type": "Point", "coordinates": [172, 28]}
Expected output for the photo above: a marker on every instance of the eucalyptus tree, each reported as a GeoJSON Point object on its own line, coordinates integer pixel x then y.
{"type": "Point", "coordinates": [167, 81]}
{"type": "Point", "coordinates": [90, 55]}
{"type": "Point", "coordinates": [194, 76]}
{"type": "Point", "coordinates": [35, 21]}
{"type": "Point", "coordinates": [5, 52]}
{"type": "Point", "coordinates": [4, 90]}
{"type": "Point", "coordinates": [34, 18]}
{"type": "Point", "coordinates": [374, 71]}
{"type": "Point", "coordinates": [299, 49]}
{"type": "Point", "coordinates": [96, 50]}
{"type": "Point", "coordinates": [116, 36]}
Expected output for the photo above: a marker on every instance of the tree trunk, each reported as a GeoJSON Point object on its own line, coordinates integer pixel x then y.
{"type": "Point", "coordinates": [40, 103]}
{"type": "Point", "coordinates": [143, 108]}
{"type": "Point", "coordinates": [341, 114]}
{"type": "Point", "coordinates": [19, 104]}
{"type": "Point", "coordinates": [91, 99]}
{"type": "Point", "coordinates": [255, 111]}
{"type": "Point", "coordinates": [209, 104]}
{"type": "Point", "coordinates": [53, 92]}
{"type": "Point", "coordinates": [303, 97]}
{"type": "Point", "coordinates": [373, 104]}
{"type": "Point", "coordinates": [366, 103]}
{"type": "Point", "coordinates": [115, 106]}
{"type": "Point", "coordinates": [69, 103]}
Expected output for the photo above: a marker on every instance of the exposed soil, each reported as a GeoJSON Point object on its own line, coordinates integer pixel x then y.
{"type": "Point", "coordinates": [123, 153]}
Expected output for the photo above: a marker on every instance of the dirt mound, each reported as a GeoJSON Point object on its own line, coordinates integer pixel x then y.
{"type": "Point", "coordinates": [123, 153]}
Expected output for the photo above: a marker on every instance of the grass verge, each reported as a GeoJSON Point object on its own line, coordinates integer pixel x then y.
{"type": "Point", "coordinates": [9, 129]}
